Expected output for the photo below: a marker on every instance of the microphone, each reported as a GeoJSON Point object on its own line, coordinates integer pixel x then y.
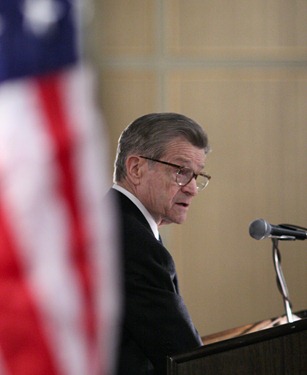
{"type": "Point", "coordinates": [260, 229]}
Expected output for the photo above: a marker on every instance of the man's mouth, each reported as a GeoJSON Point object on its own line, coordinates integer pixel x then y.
{"type": "Point", "coordinates": [182, 204]}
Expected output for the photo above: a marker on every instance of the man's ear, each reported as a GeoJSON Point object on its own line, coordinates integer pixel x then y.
{"type": "Point", "coordinates": [134, 168]}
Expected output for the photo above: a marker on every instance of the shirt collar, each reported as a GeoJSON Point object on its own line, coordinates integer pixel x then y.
{"type": "Point", "coordinates": [141, 207]}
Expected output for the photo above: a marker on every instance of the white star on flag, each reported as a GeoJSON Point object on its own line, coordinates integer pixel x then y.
{"type": "Point", "coordinates": [40, 16]}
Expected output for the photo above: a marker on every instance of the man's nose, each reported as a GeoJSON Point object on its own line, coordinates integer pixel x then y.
{"type": "Point", "coordinates": [191, 187]}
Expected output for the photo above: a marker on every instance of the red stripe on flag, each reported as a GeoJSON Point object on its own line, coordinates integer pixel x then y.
{"type": "Point", "coordinates": [23, 343]}
{"type": "Point", "coordinates": [65, 147]}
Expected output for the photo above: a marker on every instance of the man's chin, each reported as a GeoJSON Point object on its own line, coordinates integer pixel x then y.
{"type": "Point", "coordinates": [181, 220]}
{"type": "Point", "coordinates": [181, 217]}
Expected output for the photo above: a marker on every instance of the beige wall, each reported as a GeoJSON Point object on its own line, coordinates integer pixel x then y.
{"type": "Point", "coordinates": [240, 68]}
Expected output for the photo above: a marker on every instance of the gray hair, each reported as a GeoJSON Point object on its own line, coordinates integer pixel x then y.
{"type": "Point", "coordinates": [150, 134]}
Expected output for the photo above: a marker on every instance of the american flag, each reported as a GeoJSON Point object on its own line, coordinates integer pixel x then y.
{"type": "Point", "coordinates": [59, 296]}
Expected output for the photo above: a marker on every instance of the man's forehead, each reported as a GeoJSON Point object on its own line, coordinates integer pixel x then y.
{"type": "Point", "coordinates": [183, 152]}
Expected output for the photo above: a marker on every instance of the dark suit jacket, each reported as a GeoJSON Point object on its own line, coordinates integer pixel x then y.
{"type": "Point", "coordinates": [156, 322]}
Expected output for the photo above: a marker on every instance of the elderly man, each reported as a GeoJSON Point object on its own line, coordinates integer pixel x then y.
{"type": "Point", "coordinates": [158, 171]}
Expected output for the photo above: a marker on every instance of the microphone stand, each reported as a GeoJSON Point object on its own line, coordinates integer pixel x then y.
{"type": "Point", "coordinates": [281, 282]}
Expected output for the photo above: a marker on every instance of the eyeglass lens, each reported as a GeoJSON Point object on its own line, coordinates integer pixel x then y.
{"type": "Point", "coordinates": [185, 175]}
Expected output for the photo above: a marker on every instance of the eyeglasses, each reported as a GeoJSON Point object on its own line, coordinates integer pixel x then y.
{"type": "Point", "coordinates": [185, 175]}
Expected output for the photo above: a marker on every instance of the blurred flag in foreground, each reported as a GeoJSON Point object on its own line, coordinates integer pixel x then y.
{"type": "Point", "coordinates": [58, 268]}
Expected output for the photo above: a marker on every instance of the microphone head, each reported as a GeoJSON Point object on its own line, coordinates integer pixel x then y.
{"type": "Point", "coordinates": [259, 229]}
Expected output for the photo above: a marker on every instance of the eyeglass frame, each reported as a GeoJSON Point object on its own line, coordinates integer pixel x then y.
{"type": "Point", "coordinates": [180, 167]}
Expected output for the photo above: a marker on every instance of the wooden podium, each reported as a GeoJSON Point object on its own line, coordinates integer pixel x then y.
{"type": "Point", "coordinates": [280, 350]}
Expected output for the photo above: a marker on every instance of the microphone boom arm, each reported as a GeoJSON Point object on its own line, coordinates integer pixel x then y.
{"type": "Point", "coordinates": [281, 282]}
